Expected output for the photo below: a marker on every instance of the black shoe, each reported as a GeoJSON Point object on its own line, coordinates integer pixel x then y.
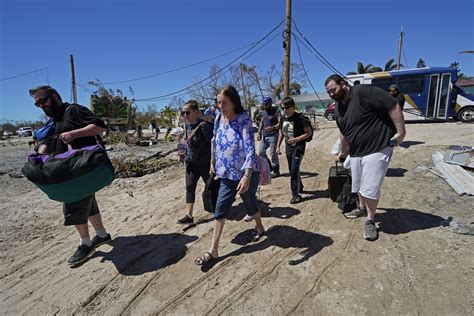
{"type": "Point", "coordinates": [82, 253]}
{"type": "Point", "coordinates": [185, 220]}
{"type": "Point", "coordinates": [296, 199]}
{"type": "Point", "coordinates": [275, 172]}
{"type": "Point", "coordinates": [97, 241]}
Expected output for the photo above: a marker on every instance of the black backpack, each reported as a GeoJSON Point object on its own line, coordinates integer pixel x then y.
{"type": "Point", "coordinates": [347, 201]}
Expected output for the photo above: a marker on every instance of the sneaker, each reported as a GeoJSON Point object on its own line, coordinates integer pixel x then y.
{"type": "Point", "coordinates": [274, 175]}
{"type": "Point", "coordinates": [370, 232]}
{"type": "Point", "coordinates": [185, 220]}
{"type": "Point", "coordinates": [97, 241]}
{"type": "Point", "coordinates": [82, 253]}
{"type": "Point", "coordinates": [296, 199]}
{"type": "Point", "coordinates": [355, 213]}
{"type": "Point", "coordinates": [248, 218]}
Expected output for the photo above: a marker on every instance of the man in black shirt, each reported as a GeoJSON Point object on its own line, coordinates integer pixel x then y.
{"type": "Point", "coordinates": [371, 124]}
{"type": "Point", "coordinates": [295, 130]}
{"type": "Point", "coordinates": [268, 134]}
{"type": "Point", "coordinates": [77, 127]}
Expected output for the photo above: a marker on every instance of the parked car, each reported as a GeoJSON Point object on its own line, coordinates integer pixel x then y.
{"type": "Point", "coordinates": [24, 131]}
{"type": "Point", "coordinates": [7, 133]}
{"type": "Point", "coordinates": [329, 113]}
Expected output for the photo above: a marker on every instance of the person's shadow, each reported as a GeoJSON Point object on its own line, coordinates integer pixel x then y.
{"type": "Point", "coordinates": [395, 221]}
{"type": "Point", "coordinates": [395, 172]}
{"type": "Point", "coordinates": [409, 143]}
{"type": "Point", "coordinates": [281, 236]}
{"type": "Point", "coordinates": [237, 212]}
{"type": "Point", "coordinates": [136, 255]}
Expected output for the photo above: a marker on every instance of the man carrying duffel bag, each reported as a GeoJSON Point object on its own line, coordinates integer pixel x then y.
{"type": "Point", "coordinates": [77, 127]}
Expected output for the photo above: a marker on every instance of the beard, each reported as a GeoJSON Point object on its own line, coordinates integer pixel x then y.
{"type": "Point", "coordinates": [54, 110]}
{"type": "Point", "coordinates": [339, 97]}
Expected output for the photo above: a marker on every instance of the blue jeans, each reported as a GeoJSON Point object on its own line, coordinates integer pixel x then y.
{"type": "Point", "coordinates": [227, 192]}
{"type": "Point", "coordinates": [269, 141]}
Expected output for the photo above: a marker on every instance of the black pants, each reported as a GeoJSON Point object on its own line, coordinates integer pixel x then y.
{"type": "Point", "coordinates": [294, 157]}
{"type": "Point", "coordinates": [193, 172]}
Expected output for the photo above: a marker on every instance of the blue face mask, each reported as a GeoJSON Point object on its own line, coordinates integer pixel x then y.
{"type": "Point", "coordinates": [45, 131]}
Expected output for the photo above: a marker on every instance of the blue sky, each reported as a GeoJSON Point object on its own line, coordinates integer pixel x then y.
{"type": "Point", "coordinates": [124, 39]}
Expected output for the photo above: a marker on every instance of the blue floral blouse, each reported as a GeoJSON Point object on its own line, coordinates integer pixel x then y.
{"type": "Point", "coordinates": [234, 147]}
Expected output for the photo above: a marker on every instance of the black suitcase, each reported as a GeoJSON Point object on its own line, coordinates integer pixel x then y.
{"type": "Point", "coordinates": [337, 177]}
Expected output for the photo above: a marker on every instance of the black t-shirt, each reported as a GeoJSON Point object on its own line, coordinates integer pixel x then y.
{"type": "Point", "coordinates": [199, 146]}
{"type": "Point", "coordinates": [293, 127]}
{"type": "Point", "coordinates": [73, 116]}
{"type": "Point", "coordinates": [364, 120]}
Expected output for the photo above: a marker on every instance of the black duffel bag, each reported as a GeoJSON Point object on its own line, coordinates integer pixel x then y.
{"type": "Point", "coordinates": [210, 193]}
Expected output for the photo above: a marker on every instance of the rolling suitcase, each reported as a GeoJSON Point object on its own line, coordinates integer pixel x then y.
{"type": "Point", "coordinates": [337, 177]}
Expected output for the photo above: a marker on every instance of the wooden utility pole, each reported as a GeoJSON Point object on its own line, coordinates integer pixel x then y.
{"type": "Point", "coordinates": [286, 59]}
{"type": "Point", "coordinates": [74, 94]}
{"type": "Point", "coordinates": [399, 55]}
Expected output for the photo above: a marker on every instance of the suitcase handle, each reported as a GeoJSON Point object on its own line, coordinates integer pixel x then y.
{"type": "Point", "coordinates": [337, 169]}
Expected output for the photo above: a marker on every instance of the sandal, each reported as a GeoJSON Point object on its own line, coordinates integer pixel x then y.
{"type": "Point", "coordinates": [207, 257]}
{"type": "Point", "coordinates": [256, 235]}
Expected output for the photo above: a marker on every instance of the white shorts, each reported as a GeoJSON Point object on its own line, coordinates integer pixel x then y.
{"type": "Point", "coordinates": [369, 171]}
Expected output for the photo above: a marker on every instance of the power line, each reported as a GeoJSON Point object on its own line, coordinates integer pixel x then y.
{"type": "Point", "coordinates": [304, 69]}
{"type": "Point", "coordinates": [405, 57]}
{"type": "Point", "coordinates": [26, 73]}
{"type": "Point", "coordinates": [326, 62]}
{"type": "Point", "coordinates": [216, 75]}
{"type": "Point", "coordinates": [180, 68]}
{"type": "Point", "coordinates": [218, 71]}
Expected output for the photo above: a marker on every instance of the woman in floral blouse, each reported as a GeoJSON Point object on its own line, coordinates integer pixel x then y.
{"type": "Point", "coordinates": [235, 162]}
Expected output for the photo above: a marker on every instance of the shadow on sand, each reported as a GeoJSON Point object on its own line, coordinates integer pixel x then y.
{"type": "Point", "coordinates": [396, 221]}
{"type": "Point", "coordinates": [280, 236]}
{"type": "Point", "coordinates": [136, 255]}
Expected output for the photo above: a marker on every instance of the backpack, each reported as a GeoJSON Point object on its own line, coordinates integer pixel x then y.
{"type": "Point", "coordinates": [347, 201]}
{"type": "Point", "coordinates": [265, 172]}
{"type": "Point", "coordinates": [306, 119]}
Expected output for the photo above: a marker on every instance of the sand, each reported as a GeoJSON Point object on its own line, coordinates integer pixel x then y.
{"type": "Point", "coordinates": [415, 267]}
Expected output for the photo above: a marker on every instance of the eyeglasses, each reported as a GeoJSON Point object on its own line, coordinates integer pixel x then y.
{"type": "Point", "coordinates": [286, 107]}
{"type": "Point", "coordinates": [332, 90]}
{"type": "Point", "coordinates": [183, 113]}
{"type": "Point", "coordinates": [42, 101]}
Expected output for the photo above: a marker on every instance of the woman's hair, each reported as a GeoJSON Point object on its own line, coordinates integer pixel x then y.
{"type": "Point", "coordinates": [288, 102]}
{"type": "Point", "coordinates": [193, 104]}
{"type": "Point", "coordinates": [233, 95]}
{"type": "Point", "coordinates": [337, 79]}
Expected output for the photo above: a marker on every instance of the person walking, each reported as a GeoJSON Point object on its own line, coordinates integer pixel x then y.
{"type": "Point", "coordinates": [268, 134]}
{"type": "Point", "coordinates": [197, 156]}
{"type": "Point", "coordinates": [371, 123]}
{"type": "Point", "coordinates": [75, 126]}
{"type": "Point", "coordinates": [234, 161]}
{"type": "Point", "coordinates": [294, 129]}
{"type": "Point", "coordinates": [395, 92]}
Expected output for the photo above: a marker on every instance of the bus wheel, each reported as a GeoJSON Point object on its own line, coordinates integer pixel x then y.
{"type": "Point", "coordinates": [466, 114]}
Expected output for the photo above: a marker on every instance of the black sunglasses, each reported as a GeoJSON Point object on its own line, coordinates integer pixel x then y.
{"type": "Point", "coordinates": [183, 113]}
{"type": "Point", "coordinates": [42, 101]}
{"type": "Point", "coordinates": [286, 107]}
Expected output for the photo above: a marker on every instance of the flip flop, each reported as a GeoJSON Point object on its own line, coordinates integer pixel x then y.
{"type": "Point", "coordinates": [256, 235]}
{"type": "Point", "coordinates": [204, 259]}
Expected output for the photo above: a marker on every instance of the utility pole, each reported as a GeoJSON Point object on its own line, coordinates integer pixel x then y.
{"type": "Point", "coordinates": [399, 55]}
{"type": "Point", "coordinates": [286, 45]}
{"type": "Point", "coordinates": [74, 94]}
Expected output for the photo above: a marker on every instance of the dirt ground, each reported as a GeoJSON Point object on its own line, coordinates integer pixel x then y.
{"type": "Point", "coordinates": [416, 267]}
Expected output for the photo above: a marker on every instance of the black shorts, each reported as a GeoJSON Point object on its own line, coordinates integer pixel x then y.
{"type": "Point", "coordinates": [78, 212]}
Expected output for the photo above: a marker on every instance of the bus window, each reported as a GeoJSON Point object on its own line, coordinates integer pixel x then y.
{"type": "Point", "coordinates": [407, 84]}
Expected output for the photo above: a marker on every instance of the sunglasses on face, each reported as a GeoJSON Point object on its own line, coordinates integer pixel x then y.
{"type": "Point", "coordinates": [42, 101]}
{"type": "Point", "coordinates": [183, 113]}
{"type": "Point", "coordinates": [286, 107]}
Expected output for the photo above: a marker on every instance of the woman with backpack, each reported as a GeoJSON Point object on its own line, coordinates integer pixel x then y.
{"type": "Point", "coordinates": [196, 154]}
{"type": "Point", "coordinates": [296, 130]}
{"type": "Point", "coordinates": [234, 161]}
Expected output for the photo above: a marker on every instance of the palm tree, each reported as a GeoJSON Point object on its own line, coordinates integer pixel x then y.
{"type": "Point", "coordinates": [361, 69]}
{"type": "Point", "coordinates": [391, 65]}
